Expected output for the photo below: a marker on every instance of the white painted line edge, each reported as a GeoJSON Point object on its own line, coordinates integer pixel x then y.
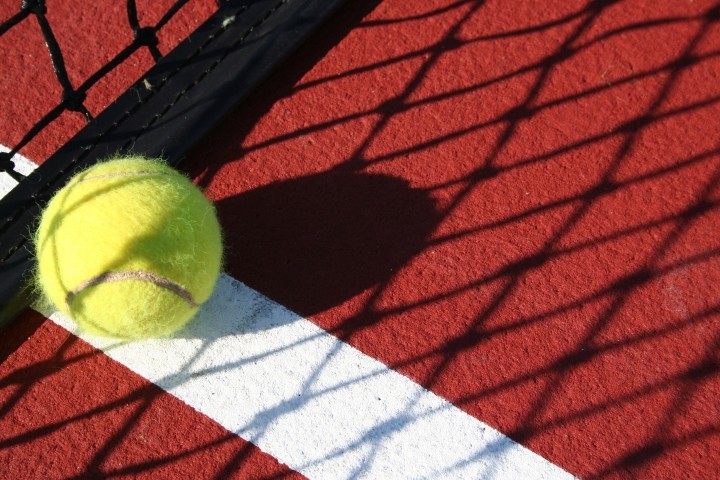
{"type": "Point", "coordinates": [314, 402]}
{"type": "Point", "coordinates": [22, 165]}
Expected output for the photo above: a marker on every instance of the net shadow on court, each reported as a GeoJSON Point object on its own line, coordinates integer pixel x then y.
{"type": "Point", "coordinates": [608, 298]}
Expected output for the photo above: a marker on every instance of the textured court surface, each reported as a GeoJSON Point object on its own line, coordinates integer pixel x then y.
{"type": "Point", "coordinates": [482, 228]}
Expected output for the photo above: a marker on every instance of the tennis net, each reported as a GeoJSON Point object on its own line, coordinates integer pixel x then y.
{"type": "Point", "coordinates": [166, 109]}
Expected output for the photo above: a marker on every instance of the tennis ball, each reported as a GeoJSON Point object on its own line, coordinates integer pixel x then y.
{"type": "Point", "coordinates": [129, 248]}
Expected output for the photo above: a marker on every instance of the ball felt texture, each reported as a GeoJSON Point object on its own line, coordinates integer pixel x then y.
{"type": "Point", "coordinates": [128, 248]}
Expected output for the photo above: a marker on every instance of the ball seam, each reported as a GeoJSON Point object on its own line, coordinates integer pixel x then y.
{"type": "Point", "coordinates": [141, 275]}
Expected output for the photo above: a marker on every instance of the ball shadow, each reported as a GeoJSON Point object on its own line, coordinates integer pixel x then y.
{"type": "Point", "coordinates": [313, 242]}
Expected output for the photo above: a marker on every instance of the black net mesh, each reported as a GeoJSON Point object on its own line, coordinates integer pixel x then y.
{"type": "Point", "coordinates": [156, 75]}
{"type": "Point", "coordinates": [73, 97]}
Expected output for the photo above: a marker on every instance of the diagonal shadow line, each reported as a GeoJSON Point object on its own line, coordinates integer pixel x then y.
{"type": "Point", "coordinates": [136, 395]}
{"type": "Point", "coordinates": [705, 367]}
{"type": "Point", "coordinates": [356, 160]}
{"type": "Point", "coordinates": [389, 107]}
{"type": "Point", "coordinates": [608, 189]}
{"type": "Point", "coordinates": [423, 16]}
{"type": "Point", "coordinates": [18, 376]}
{"type": "Point", "coordinates": [520, 71]}
{"type": "Point", "coordinates": [692, 372]}
{"type": "Point", "coordinates": [523, 433]}
{"type": "Point", "coordinates": [660, 447]}
{"type": "Point", "coordinates": [234, 465]}
{"type": "Point", "coordinates": [656, 448]}
{"type": "Point", "coordinates": [657, 22]}
{"type": "Point", "coordinates": [537, 260]}
{"type": "Point", "coordinates": [48, 367]}
{"type": "Point", "coordinates": [148, 465]}
{"type": "Point", "coordinates": [397, 107]}
{"type": "Point", "coordinates": [94, 466]}
{"type": "Point", "coordinates": [144, 396]}
{"type": "Point", "coordinates": [648, 24]}
{"type": "Point", "coordinates": [39, 432]}
{"type": "Point", "coordinates": [577, 358]}
{"type": "Point", "coordinates": [605, 187]}
{"type": "Point", "coordinates": [629, 125]}
{"type": "Point", "coordinates": [513, 33]}
{"type": "Point", "coordinates": [483, 334]}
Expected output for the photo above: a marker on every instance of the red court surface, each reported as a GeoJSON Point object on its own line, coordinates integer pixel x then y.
{"type": "Point", "coordinates": [514, 205]}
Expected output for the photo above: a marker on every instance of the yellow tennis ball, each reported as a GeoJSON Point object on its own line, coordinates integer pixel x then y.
{"type": "Point", "coordinates": [129, 248]}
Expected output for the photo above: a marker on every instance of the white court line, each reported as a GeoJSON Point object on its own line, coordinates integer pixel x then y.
{"type": "Point", "coordinates": [22, 165]}
{"type": "Point", "coordinates": [313, 402]}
